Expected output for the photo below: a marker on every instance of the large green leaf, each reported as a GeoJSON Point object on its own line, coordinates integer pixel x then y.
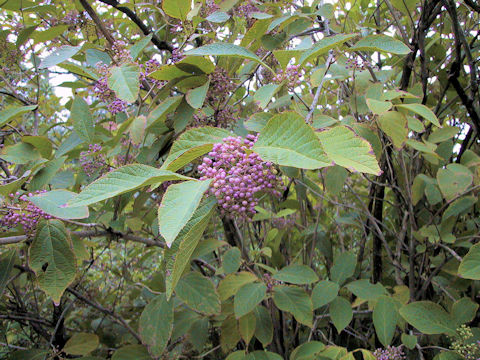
{"type": "Point", "coordinates": [233, 282]}
{"type": "Point", "coordinates": [20, 153]}
{"type": "Point", "coordinates": [294, 300]}
{"type": "Point", "coordinates": [340, 312]}
{"type": "Point", "coordinates": [52, 202]}
{"type": "Point", "coordinates": [225, 49]}
{"type": "Point", "coordinates": [6, 265]}
{"type": "Point", "coordinates": [246, 326]}
{"type": "Point", "coordinates": [132, 352]}
{"type": "Point", "coordinates": [164, 108]}
{"type": "Point", "coordinates": [264, 94]}
{"type": "Point", "coordinates": [232, 260]}
{"type": "Point", "coordinates": [470, 266]}
{"type": "Point", "coordinates": [307, 351]}
{"type": "Point", "coordinates": [421, 110]}
{"type": "Point", "coordinates": [464, 311]}
{"type": "Point", "coordinates": [394, 124]}
{"type": "Point", "coordinates": [196, 97]}
{"type": "Point", "coordinates": [52, 259]}
{"type": "Point", "coordinates": [156, 324]}
{"type": "Point", "coordinates": [381, 43]}
{"type": "Point", "coordinates": [296, 274]}
{"type": "Point", "coordinates": [385, 317]}
{"type": "Point", "coordinates": [60, 54]}
{"type": "Point", "coordinates": [82, 120]}
{"type": "Point", "coordinates": [248, 297]}
{"type": "Point", "coordinates": [81, 344]}
{"type": "Point", "coordinates": [122, 180]}
{"type": "Point", "coordinates": [343, 267]}
{"type": "Point", "coordinates": [192, 144]}
{"type": "Point", "coordinates": [324, 292]}
{"type": "Point", "coordinates": [364, 289]}
{"type": "Point", "coordinates": [428, 317]}
{"type": "Point", "coordinates": [125, 81]}
{"type": "Point", "coordinates": [12, 112]}
{"type": "Point", "coordinates": [287, 140]}
{"type": "Point", "coordinates": [323, 46]}
{"type": "Point", "coordinates": [454, 180]}
{"type": "Point", "coordinates": [178, 255]}
{"type": "Point", "coordinates": [199, 293]}
{"type": "Point", "coordinates": [349, 150]}
{"type": "Point", "coordinates": [264, 325]}
{"type": "Point", "coordinates": [178, 205]}
{"type": "Point", "coordinates": [177, 9]}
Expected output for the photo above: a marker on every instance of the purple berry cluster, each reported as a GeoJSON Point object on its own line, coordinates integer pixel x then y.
{"type": "Point", "coordinates": [120, 52]}
{"type": "Point", "coordinates": [92, 160]}
{"type": "Point", "coordinates": [105, 94]}
{"type": "Point", "coordinates": [292, 73]}
{"type": "Point", "coordinates": [176, 56]}
{"type": "Point", "coordinates": [210, 8]}
{"type": "Point", "coordinates": [223, 118]}
{"type": "Point", "coordinates": [390, 353]}
{"type": "Point", "coordinates": [283, 222]}
{"type": "Point", "coordinates": [357, 64]}
{"type": "Point", "coordinates": [146, 69]}
{"type": "Point", "coordinates": [220, 86]}
{"type": "Point", "coordinates": [246, 10]}
{"type": "Point", "coordinates": [21, 212]}
{"type": "Point", "coordinates": [238, 176]}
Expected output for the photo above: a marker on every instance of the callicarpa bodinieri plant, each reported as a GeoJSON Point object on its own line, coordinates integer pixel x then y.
{"type": "Point", "coordinates": [239, 180]}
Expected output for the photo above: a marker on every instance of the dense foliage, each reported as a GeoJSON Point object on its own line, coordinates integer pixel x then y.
{"type": "Point", "coordinates": [239, 179]}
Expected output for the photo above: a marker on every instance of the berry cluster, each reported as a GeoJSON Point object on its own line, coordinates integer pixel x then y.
{"type": "Point", "coordinates": [72, 18]}
{"type": "Point", "coordinates": [246, 10]}
{"type": "Point", "coordinates": [149, 67]}
{"type": "Point", "coordinates": [210, 8]}
{"type": "Point", "coordinates": [120, 52]}
{"type": "Point", "coordinates": [105, 94]}
{"type": "Point", "coordinates": [357, 64]}
{"type": "Point", "coordinates": [223, 118]}
{"type": "Point", "coordinates": [92, 160]}
{"type": "Point", "coordinates": [283, 222]}
{"type": "Point", "coordinates": [464, 344]}
{"type": "Point", "coordinates": [220, 86]}
{"type": "Point", "coordinates": [390, 353]}
{"type": "Point", "coordinates": [176, 56]}
{"type": "Point", "coordinates": [22, 212]}
{"type": "Point", "coordinates": [270, 282]}
{"type": "Point", "coordinates": [292, 74]}
{"type": "Point", "coordinates": [238, 176]}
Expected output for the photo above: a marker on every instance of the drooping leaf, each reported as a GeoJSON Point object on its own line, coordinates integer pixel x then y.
{"type": "Point", "coordinates": [349, 150]}
{"type": "Point", "coordinates": [428, 317]}
{"type": "Point", "coordinates": [122, 180]}
{"type": "Point", "coordinates": [394, 124]}
{"type": "Point", "coordinates": [60, 54]}
{"type": "Point", "coordinates": [230, 285]}
{"type": "Point", "coordinates": [156, 324]}
{"type": "Point", "coordinates": [41, 143]}
{"type": "Point", "coordinates": [421, 110]}
{"type": "Point", "coordinates": [288, 141]}
{"type": "Point", "coordinates": [198, 293]}
{"type": "Point", "coordinates": [264, 325]}
{"type": "Point", "coordinates": [125, 81]}
{"type": "Point", "coordinates": [385, 318]}
{"type": "Point", "coordinates": [246, 326]}
{"type": "Point", "coordinates": [381, 43]}
{"type": "Point", "coordinates": [137, 129]}
{"type": "Point", "coordinates": [52, 202]}
{"type": "Point", "coordinates": [248, 297]}
{"type": "Point", "coordinates": [324, 292]}
{"type": "Point", "coordinates": [343, 267]}
{"type": "Point", "coordinates": [296, 274]}
{"type": "Point", "coordinates": [52, 258]}
{"type": "Point", "coordinates": [7, 261]}
{"type": "Point", "coordinates": [378, 107]}
{"type": "Point", "coordinates": [12, 112]}
{"type": "Point", "coordinates": [232, 260]}
{"type": "Point", "coordinates": [294, 300]}
{"type": "Point", "coordinates": [81, 344]}
{"type": "Point", "coordinates": [459, 206]}
{"type": "Point", "coordinates": [177, 207]}
{"type": "Point", "coordinates": [470, 266]}
{"type": "Point", "coordinates": [196, 97]}
{"type": "Point", "coordinates": [340, 312]}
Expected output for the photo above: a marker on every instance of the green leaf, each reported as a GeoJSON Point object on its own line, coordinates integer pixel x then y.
{"type": "Point", "coordinates": [409, 341]}
{"type": "Point", "coordinates": [323, 46]}
{"type": "Point", "coordinates": [81, 344]}
{"type": "Point", "coordinates": [218, 17]}
{"type": "Point", "coordinates": [137, 48]}
{"type": "Point", "coordinates": [296, 274]}
{"type": "Point", "coordinates": [12, 112]}
{"type": "Point", "coordinates": [137, 130]}
{"type": "Point", "coordinates": [459, 206]}
{"type": "Point", "coordinates": [470, 266]}
{"type": "Point", "coordinates": [179, 254]}
{"type": "Point", "coordinates": [226, 49]}
{"type": "Point", "coordinates": [248, 297]}
{"type": "Point", "coordinates": [52, 258]}
{"type": "Point", "coordinates": [41, 143]}
{"type": "Point", "coordinates": [366, 290]}
{"type": "Point", "coordinates": [443, 134]}
{"type": "Point", "coordinates": [178, 205]}
{"type": "Point", "coordinates": [192, 144]}
{"type": "Point", "coordinates": [385, 318]}
{"type": "Point", "coordinates": [122, 180]}
{"type": "Point", "coordinates": [52, 202]}
{"type": "Point", "coordinates": [343, 267]}
{"type": "Point", "coordinates": [177, 9]}
{"type": "Point", "coordinates": [232, 283]}
{"type": "Point", "coordinates": [20, 153]}
{"type": "Point", "coordinates": [349, 150]}
{"type": "Point", "coordinates": [294, 300]}
{"type": "Point", "coordinates": [288, 141]}
{"type": "Point", "coordinates": [264, 94]}
{"type": "Point", "coordinates": [125, 81]}
{"type": "Point", "coordinates": [196, 97]}
{"type": "Point", "coordinates": [46, 174]}
{"type": "Point", "coordinates": [7, 261]}
{"type": "Point", "coordinates": [381, 43]}
{"type": "Point", "coordinates": [246, 326]}
{"type": "Point", "coordinates": [60, 54]}
{"type": "Point", "coordinates": [131, 352]}
{"type": "Point", "coordinates": [262, 355]}
{"type": "Point", "coordinates": [198, 293]}
{"type": "Point", "coordinates": [428, 317]}
{"type": "Point", "coordinates": [232, 260]}
{"type": "Point", "coordinates": [394, 125]}
{"type": "Point", "coordinates": [323, 293]}
{"type": "Point", "coordinates": [421, 110]}
{"type": "Point", "coordinates": [157, 116]}
{"type": "Point", "coordinates": [307, 351]}
{"type": "Point", "coordinates": [464, 311]}
{"type": "Point", "coordinates": [264, 325]}
{"type": "Point", "coordinates": [340, 312]}
{"type": "Point", "coordinates": [378, 107]}
{"type": "Point", "coordinates": [82, 120]}
{"type": "Point", "coordinates": [454, 180]}
{"type": "Point", "coordinates": [229, 333]}
{"type": "Point", "coordinates": [156, 324]}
